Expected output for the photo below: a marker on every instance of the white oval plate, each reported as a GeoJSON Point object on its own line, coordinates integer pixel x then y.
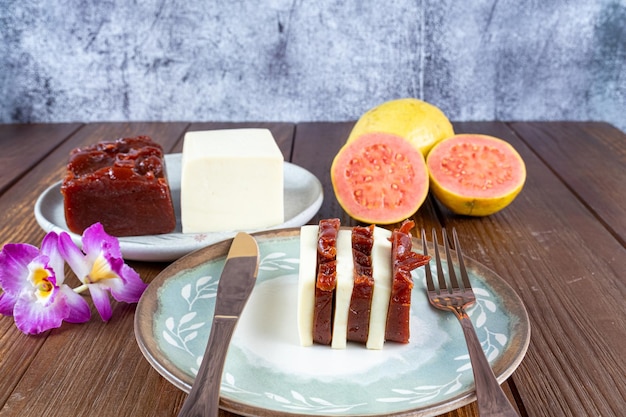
{"type": "Point", "coordinates": [267, 372]}
{"type": "Point", "coordinates": [303, 196]}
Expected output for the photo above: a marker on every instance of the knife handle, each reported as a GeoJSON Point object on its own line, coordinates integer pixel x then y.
{"type": "Point", "coordinates": [204, 397]}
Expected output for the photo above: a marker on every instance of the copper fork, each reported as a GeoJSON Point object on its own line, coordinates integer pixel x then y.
{"type": "Point", "coordinates": [491, 399]}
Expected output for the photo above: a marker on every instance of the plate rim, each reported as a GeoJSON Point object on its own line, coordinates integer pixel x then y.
{"type": "Point", "coordinates": [503, 367]}
{"type": "Point", "coordinates": [132, 247]}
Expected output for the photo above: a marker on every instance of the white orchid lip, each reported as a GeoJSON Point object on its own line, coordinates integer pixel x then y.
{"type": "Point", "coordinates": [43, 281]}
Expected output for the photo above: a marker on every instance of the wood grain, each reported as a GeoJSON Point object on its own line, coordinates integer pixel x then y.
{"type": "Point", "coordinates": [575, 151]}
{"type": "Point", "coordinates": [24, 145]}
{"type": "Point", "coordinates": [315, 146]}
{"type": "Point", "coordinates": [564, 234]}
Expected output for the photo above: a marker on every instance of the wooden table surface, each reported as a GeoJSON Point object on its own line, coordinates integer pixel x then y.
{"type": "Point", "coordinates": [560, 245]}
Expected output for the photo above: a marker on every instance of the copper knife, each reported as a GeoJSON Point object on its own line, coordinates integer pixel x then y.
{"type": "Point", "coordinates": [234, 288]}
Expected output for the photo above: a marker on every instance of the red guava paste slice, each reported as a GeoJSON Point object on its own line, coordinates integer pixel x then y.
{"type": "Point", "coordinates": [326, 281]}
{"type": "Point", "coordinates": [380, 178]}
{"type": "Point", "coordinates": [403, 261]}
{"type": "Point", "coordinates": [363, 287]}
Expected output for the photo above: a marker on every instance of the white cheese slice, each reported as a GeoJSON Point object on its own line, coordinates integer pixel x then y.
{"type": "Point", "coordinates": [306, 283]}
{"type": "Point", "coordinates": [343, 292]}
{"type": "Point", "coordinates": [231, 180]}
{"type": "Point", "coordinates": [381, 271]}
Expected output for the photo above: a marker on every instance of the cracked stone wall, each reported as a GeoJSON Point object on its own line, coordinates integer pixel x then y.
{"type": "Point", "coordinates": [295, 60]}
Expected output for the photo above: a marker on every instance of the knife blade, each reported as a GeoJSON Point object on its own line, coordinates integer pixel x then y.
{"type": "Point", "coordinates": [233, 290]}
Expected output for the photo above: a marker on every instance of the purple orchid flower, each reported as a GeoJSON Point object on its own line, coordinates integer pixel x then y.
{"type": "Point", "coordinates": [101, 268]}
{"type": "Point", "coordinates": [33, 288]}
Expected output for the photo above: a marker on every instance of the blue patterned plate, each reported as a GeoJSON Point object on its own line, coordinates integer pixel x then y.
{"type": "Point", "coordinates": [267, 372]}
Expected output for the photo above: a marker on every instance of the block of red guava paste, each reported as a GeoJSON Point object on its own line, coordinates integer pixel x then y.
{"type": "Point", "coordinates": [121, 184]}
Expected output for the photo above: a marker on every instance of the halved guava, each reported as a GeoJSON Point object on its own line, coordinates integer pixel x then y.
{"type": "Point", "coordinates": [379, 178]}
{"type": "Point", "coordinates": [475, 175]}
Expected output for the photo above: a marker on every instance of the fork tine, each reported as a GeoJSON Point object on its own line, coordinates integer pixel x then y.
{"type": "Point", "coordinates": [430, 285]}
{"type": "Point", "coordinates": [459, 254]}
{"type": "Point", "coordinates": [454, 283]}
{"type": "Point", "coordinates": [441, 278]}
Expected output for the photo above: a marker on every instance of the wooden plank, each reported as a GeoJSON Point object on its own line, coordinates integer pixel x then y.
{"type": "Point", "coordinates": [91, 364]}
{"type": "Point", "coordinates": [591, 159]}
{"type": "Point", "coordinates": [24, 145]}
{"type": "Point", "coordinates": [315, 146]}
{"type": "Point", "coordinates": [544, 244]}
{"type": "Point", "coordinates": [77, 357]}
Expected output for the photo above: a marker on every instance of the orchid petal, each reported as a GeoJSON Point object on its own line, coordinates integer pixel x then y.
{"type": "Point", "coordinates": [96, 240]}
{"type": "Point", "coordinates": [133, 288]}
{"type": "Point", "coordinates": [100, 299]}
{"type": "Point", "coordinates": [79, 311]}
{"type": "Point", "coordinates": [109, 285]}
{"type": "Point", "coordinates": [108, 265]}
{"type": "Point", "coordinates": [7, 302]}
{"type": "Point", "coordinates": [73, 256]}
{"type": "Point", "coordinates": [34, 317]}
{"type": "Point", "coordinates": [50, 247]}
{"type": "Point", "coordinates": [14, 260]}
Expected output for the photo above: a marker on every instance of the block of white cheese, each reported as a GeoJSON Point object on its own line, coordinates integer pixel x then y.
{"type": "Point", "coordinates": [231, 180]}
{"type": "Point", "coordinates": [343, 290]}
{"type": "Point", "coordinates": [381, 271]}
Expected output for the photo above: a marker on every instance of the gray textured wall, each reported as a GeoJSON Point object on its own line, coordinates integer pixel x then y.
{"type": "Point", "coordinates": [296, 60]}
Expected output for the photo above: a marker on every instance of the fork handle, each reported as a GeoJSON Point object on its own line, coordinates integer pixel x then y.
{"type": "Point", "coordinates": [492, 401]}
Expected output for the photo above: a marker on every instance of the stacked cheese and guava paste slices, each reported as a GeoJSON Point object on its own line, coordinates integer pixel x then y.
{"type": "Point", "coordinates": [355, 284]}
